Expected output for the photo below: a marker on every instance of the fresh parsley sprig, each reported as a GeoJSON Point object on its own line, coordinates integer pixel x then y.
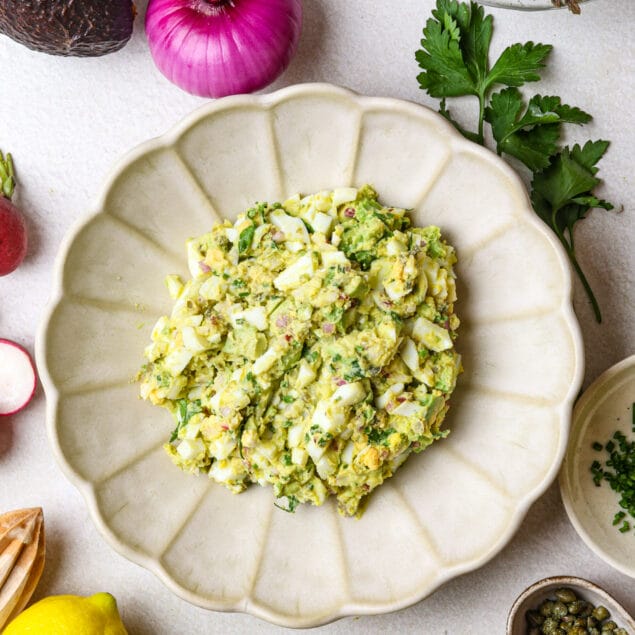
{"type": "Point", "coordinates": [562, 195]}
{"type": "Point", "coordinates": [455, 62]}
{"type": "Point", "coordinates": [455, 57]}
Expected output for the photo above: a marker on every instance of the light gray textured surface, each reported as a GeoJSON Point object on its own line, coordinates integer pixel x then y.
{"type": "Point", "coordinates": [68, 120]}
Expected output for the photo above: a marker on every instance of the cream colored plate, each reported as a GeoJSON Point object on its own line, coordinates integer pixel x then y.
{"type": "Point", "coordinates": [449, 510]}
{"type": "Point", "coordinates": [606, 406]}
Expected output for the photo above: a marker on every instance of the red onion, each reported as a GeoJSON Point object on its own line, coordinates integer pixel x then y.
{"type": "Point", "coordinates": [203, 266]}
{"type": "Point", "coordinates": [214, 48]}
{"type": "Point", "coordinates": [328, 327]}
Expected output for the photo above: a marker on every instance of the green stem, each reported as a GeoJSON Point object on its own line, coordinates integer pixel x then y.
{"type": "Point", "coordinates": [587, 286]}
{"type": "Point", "coordinates": [472, 136]}
{"type": "Point", "coordinates": [585, 283]}
{"type": "Point", "coordinates": [7, 176]}
{"type": "Point", "coordinates": [481, 117]}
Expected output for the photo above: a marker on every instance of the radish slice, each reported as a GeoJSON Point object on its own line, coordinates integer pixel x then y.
{"type": "Point", "coordinates": [17, 378]}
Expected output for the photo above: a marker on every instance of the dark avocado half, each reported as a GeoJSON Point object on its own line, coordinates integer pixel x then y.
{"type": "Point", "coordinates": [83, 28]}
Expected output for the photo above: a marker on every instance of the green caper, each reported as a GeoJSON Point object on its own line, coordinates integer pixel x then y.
{"type": "Point", "coordinates": [534, 618]}
{"type": "Point", "coordinates": [587, 609]}
{"type": "Point", "coordinates": [568, 614]}
{"type": "Point", "coordinates": [545, 608]}
{"type": "Point", "coordinates": [566, 595]}
{"type": "Point", "coordinates": [549, 626]}
{"type": "Point", "coordinates": [600, 613]}
{"type": "Point", "coordinates": [575, 607]}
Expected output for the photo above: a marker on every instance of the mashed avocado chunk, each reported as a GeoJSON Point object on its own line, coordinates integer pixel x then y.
{"type": "Point", "coordinates": [312, 349]}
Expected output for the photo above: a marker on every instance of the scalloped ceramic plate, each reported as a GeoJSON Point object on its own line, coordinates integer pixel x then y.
{"type": "Point", "coordinates": [606, 406]}
{"type": "Point", "coordinates": [447, 511]}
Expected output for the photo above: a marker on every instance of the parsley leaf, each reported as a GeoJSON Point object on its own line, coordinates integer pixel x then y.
{"type": "Point", "coordinates": [530, 134]}
{"type": "Point", "coordinates": [245, 238]}
{"type": "Point", "coordinates": [590, 154]}
{"type": "Point", "coordinates": [561, 196]}
{"type": "Point", "coordinates": [185, 410]}
{"type": "Point", "coordinates": [378, 436]}
{"type": "Point", "coordinates": [562, 181]}
{"type": "Point", "coordinates": [292, 504]}
{"type": "Point", "coordinates": [445, 73]}
{"type": "Point", "coordinates": [355, 371]}
{"type": "Point", "coordinates": [518, 64]}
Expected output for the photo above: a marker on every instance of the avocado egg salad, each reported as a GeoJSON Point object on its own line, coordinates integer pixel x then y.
{"type": "Point", "coordinates": [312, 349]}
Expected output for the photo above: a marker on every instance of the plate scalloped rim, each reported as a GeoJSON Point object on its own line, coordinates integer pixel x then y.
{"type": "Point", "coordinates": [246, 605]}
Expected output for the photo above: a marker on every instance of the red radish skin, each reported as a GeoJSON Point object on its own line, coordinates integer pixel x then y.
{"type": "Point", "coordinates": [13, 240]}
{"type": "Point", "coordinates": [18, 379]}
{"type": "Point", "coordinates": [13, 237]}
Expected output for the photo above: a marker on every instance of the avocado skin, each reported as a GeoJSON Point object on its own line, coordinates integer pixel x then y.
{"type": "Point", "coordinates": [80, 28]}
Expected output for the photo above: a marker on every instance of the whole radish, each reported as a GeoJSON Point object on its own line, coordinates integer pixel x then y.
{"type": "Point", "coordinates": [13, 236]}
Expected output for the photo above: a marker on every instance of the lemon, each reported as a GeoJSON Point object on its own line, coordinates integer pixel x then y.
{"type": "Point", "coordinates": [70, 615]}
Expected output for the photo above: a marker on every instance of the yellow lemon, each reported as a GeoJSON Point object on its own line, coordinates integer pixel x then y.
{"type": "Point", "coordinates": [70, 615]}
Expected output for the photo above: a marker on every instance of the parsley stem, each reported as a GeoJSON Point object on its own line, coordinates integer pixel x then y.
{"type": "Point", "coordinates": [585, 283]}
{"type": "Point", "coordinates": [481, 117]}
{"type": "Point", "coordinates": [587, 286]}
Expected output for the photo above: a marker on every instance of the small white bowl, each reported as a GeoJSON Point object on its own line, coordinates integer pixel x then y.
{"type": "Point", "coordinates": [606, 406]}
{"type": "Point", "coordinates": [534, 595]}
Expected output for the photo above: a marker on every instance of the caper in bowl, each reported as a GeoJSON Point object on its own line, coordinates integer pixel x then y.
{"type": "Point", "coordinates": [567, 605]}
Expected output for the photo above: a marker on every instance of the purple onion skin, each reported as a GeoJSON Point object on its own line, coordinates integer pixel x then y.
{"type": "Point", "coordinates": [217, 48]}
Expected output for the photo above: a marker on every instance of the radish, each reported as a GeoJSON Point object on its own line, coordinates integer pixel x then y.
{"type": "Point", "coordinates": [13, 237]}
{"type": "Point", "coordinates": [17, 378]}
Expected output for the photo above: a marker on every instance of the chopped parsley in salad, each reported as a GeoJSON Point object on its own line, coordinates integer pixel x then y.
{"type": "Point", "coordinates": [312, 349]}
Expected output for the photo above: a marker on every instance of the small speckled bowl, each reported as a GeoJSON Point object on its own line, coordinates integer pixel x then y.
{"type": "Point", "coordinates": [605, 406]}
{"type": "Point", "coordinates": [533, 595]}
